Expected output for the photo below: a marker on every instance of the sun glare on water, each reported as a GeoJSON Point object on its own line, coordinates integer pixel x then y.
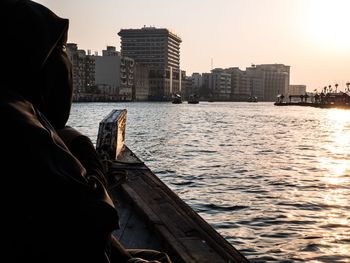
{"type": "Point", "coordinates": [338, 146]}
{"type": "Point", "coordinates": [327, 23]}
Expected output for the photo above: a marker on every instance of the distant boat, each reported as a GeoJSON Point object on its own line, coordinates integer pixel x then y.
{"type": "Point", "coordinates": [193, 99]}
{"type": "Point", "coordinates": [177, 99]}
{"type": "Point", "coordinates": [252, 99]}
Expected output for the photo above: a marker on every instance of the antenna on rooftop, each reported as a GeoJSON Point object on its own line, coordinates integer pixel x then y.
{"type": "Point", "coordinates": [211, 64]}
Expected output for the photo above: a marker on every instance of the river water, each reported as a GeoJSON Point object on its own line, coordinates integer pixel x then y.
{"type": "Point", "coordinates": [274, 181]}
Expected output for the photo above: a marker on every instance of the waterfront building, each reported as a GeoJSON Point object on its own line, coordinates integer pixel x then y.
{"type": "Point", "coordinates": [188, 88]}
{"type": "Point", "coordinates": [197, 80]}
{"type": "Point", "coordinates": [115, 73]}
{"type": "Point", "coordinates": [83, 69]}
{"type": "Point", "coordinates": [256, 82]}
{"type": "Point", "coordinates": [264, 81]}
{"type": "Point", "coordinates": [107, 72]}
{"type": "Point", "coordinates": [141, 82]}
{"type": "Point", "coordinates": [276, 79]}
{"type": "Point", "coordinates": [159, 49]}
{"type": "Point", "coordinates": [240, 84]}
{"type": "Point", "coordinates": [296, 90]}
{"type": "Point", "coordinates": [218, 82]}
{"type": "Point", "coordinates": [192, 84]}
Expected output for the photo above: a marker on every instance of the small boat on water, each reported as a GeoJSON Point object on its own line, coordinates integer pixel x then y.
{"type": "Point", "coordinates": [151, 215]}
{"type": "Point", "coordinates": [252, 99]}
{"type": "Point", "coordinates": [177, 99]}
{"type": "Point", "coordinates": [193, 99]}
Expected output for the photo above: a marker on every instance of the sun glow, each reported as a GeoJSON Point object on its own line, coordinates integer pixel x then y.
{"type": "Point", "coordinates": [338, 146]}
{"type": "Point", "coordinates": [327, 23]}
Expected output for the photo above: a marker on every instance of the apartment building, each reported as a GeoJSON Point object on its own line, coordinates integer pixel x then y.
{"type": "Point", "coordinates": [159, 49]}
{"type": "Point", "coordinates": [83, 67]}
{"type": "Point", "coordinates": [218, 82]}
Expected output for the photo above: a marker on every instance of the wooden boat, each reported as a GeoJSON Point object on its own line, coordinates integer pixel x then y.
{"type": "Point", "coordinates": [252, 99]}
{"type": "Point", "coordinates": [151, 214]}
{"type": "Point", "coordinates": [193, 99]}
{"type": "Point", "coordinates": [177, 99]}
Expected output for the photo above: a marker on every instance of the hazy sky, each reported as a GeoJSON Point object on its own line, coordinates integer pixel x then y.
{"type": "Point", "coordinates": [311, 36]}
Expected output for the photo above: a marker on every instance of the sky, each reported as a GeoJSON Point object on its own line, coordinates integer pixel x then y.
{"type": "Point", "coordinates": [310, 36]}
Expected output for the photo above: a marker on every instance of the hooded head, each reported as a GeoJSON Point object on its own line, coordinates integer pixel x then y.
{"type": "Point", "coordinates": [35, 59]}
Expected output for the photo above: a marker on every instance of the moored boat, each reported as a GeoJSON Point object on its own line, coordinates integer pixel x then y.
{"type": "Point", "coordinates": [193, 99]}
{"type": "Point", "coordinates": [177, 99]}
{"type": "Point", "coordinates": [252, 99]}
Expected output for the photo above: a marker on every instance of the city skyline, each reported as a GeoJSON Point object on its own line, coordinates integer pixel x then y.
{"type": "Point", "coordinates": [308, 35]}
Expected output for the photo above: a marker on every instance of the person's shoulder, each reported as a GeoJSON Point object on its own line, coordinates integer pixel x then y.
{"type": "Point", "coordinates": [15, 109]}
{"type": "Point", "coordinates": [18, 116]}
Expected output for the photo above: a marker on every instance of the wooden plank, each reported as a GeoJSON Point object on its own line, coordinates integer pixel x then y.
{"type": "Point", "coordinates": [159, 230]}
{"type": "Point", "coordinates": [133, 232]}
{"type": "Point", "coordinates": [184, 234]}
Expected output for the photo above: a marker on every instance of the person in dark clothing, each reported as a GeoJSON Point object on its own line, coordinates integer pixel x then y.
{"type": "Point", "coordinates": [55, 203]}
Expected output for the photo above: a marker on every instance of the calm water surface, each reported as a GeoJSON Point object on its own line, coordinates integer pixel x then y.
{"type": "Point", "coordinates": [274, 181]}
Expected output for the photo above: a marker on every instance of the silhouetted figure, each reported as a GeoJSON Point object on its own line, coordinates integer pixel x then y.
{"type": "Point", "coordinates": [317, 98]}
{"type": "Point", "coordinates": [55, 206]}
{"type": "Point", "coordinates": [322, 97]}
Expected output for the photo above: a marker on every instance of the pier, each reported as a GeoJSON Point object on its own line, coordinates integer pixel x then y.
{"type": "Point", "coordinates": [315, 105]}
{"type": "Point", "coordinates": [339, 100]}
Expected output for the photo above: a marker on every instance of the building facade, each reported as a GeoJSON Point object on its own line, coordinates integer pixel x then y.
{"type": "Point", "coordinates": [115, 74]}
{"type": "Point", "coordinates": [276, 79]}
{"type": "Point", "coordinates": [141, 83]}
{"type": "Point", "coordinates": [218, 82]}
{"type": "Point", "coordinates": [264, 81]}
{"type": "Point", "coordinates": [296, 90]}
{"type": "Point", "coordinates": [83, 69]}
{"type": "Point", "coordinates": [159, 49]}
{"type": "Point", "coordinates": [107, 72]}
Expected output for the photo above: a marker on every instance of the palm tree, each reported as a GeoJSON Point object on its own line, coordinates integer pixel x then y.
{"type": "Point", "coordinates": [347, 85]}
{"type": "Point", "coordinates": [329, 88]}
{"type": "Point", "coordinates": [336, 87]}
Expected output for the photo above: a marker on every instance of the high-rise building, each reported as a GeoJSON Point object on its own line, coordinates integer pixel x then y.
{"type": "Point", "coordinates": [159, 49]}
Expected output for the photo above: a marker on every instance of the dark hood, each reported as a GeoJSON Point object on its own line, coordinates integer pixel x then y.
{"type": "Point", "coordinates": [34, 68]}
{"type": "Point", "coordinates": [31, 31]}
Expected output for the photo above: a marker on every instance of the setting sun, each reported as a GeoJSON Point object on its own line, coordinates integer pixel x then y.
{"type": "Point", "coordinates": [328, 23]}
